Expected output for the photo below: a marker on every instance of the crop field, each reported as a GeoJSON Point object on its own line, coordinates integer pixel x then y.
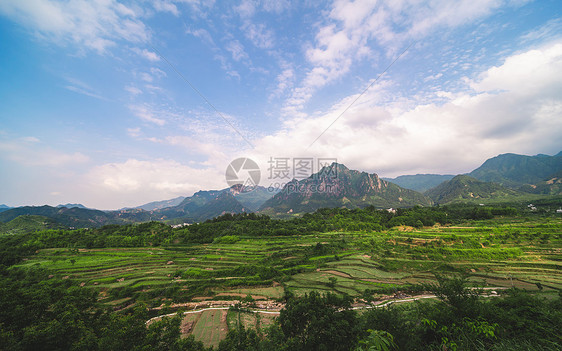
{"type": "Point", "coordinates": [498, 253]}
{"type": "Point", "coordinates": [257, 321]}
{"type": "Point", "coordinates": [495, 253]}
{"type": "Point", "coordinates": [210, 327]}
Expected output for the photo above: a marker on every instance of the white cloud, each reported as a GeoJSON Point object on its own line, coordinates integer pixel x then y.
{"type": "Point", "coordinates": [194, 145]}
{"type": "Point", "coordinates": [95, 25]}
{"type": "Point", "coordinates": [147, 54]}
{"type": "Point", "coordinates": [285, 80]}
{"type": "Point", "coordinates": [82, 91]}
{"type": "Point", "coordinates": [514, 107]}
{"type": "Point", "coordinates": [153, 88]}
{"type": "Point", "coordinates": [165, 6]}
{"type": "Point", "coordinates": [134, 132]}
{"type": "Point", "coordinates": [550, 30]}
{"type": "Point", "coordinates": [158, 72]}
{"type": "Point", "coordinates": [276, 6]}
{"type": "Point", "coordinates": [237, 50]}
{"type": "Point", "coordinates": [29, 151]}
{"type": "Point", "coordinates": [528, 73]}
{"type": "Point", "coordinates": [259, 35]}
{"type": "Point", "coordinates": [146, 77]}
{"type": "Point", "coordinates": [80, 87]}
{"type": "Point", "coordinates": [354, 29]}
{"type": "Point", "coordinates": [31, 139]}
{"type": "Point", "coordinates": [135, 181]}
{"type": "Point", "coordinates": [133, 90]}
{"type": "Point", "coordinates": [204, 35]}
{"type": "Point", "coordinates": [247, 8]}
{"type": "Point", "coordinates": [433, 77]}
{"type": "Point", "coordinates": [147, 113]}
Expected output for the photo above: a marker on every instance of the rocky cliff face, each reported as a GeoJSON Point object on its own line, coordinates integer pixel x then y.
{"type": "Point", "coordinates": [337, 186]}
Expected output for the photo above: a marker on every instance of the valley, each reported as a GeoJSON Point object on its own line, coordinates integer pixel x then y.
{"type": "Point", "coordinates": [261, 270]}
{"type": "Point", "coordinates": [234, 270]}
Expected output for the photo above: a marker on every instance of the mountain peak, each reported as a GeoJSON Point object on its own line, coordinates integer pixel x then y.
{"type": "Point", "coordinates": [331, 170]}
{"type": "Point", "coordinates": [338, 186]}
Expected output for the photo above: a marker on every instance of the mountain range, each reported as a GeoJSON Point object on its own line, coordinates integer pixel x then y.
{"type": "Point", "coordinates": [504, 177]}
{"type": "Point", "coordinates": [514, 171]}
{"type": "Point", "coordinates": [338, 186]}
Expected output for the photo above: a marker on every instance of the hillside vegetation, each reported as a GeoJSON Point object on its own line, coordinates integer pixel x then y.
{"type": "Point", "coordinates": [463, 188]}
{"type": "Point", "coordinates": [514, 170]}
{"type": "Point", "coordinates": [84, 283]}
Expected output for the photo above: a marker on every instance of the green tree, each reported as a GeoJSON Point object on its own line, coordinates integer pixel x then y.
{"type": "Point", "coordinates": [319, 322]}
{"type": "Point", "coordinates": [378, 340]}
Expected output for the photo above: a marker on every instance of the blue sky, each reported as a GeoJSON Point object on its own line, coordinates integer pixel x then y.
{"type": "Point", "coordinates": [95, 108]}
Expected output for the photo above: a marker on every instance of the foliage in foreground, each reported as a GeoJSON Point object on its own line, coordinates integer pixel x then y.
{"type": "Point", "coordinates": [41, 313]}
{"type": "Point", "coordinates": [460, 320]}
{"type": "Point", "coordinates": [37, 313]}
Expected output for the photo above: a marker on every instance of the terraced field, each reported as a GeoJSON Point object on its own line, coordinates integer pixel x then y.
{"type": "Point", "coordinates": [494, 253]}
{"type": "Point", "coordinates": [498, 253]}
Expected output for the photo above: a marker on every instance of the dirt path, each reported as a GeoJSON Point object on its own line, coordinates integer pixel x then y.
{"type": "Point", "coordinates": [378, 304]}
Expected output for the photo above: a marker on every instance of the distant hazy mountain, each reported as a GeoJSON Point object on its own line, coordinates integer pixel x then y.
{"type": "Point", "coordinates": [514, 170]}
{"type": "Point", "coordinates": [69, 217]}
{"type": "Point", "coordinates": [223, 203]}
{"type": "Point", "coordinates": [462, 188]}
{"type": "Point", "coordinates": [252, 200]}
{"type": "Point", "coordinates": [198, 200]}
{"type": "Point", "coordinates": [203, 205]}
{"type": "Point", "coordinates": [420, 182]}
{"type": "Point", "coordinates": [334, 186]}
{"type": "Point", "coordinates": [207, 204]}
{"type": "Point", "coordinates": [71, 206]}
{"type": "Point", "coordinates": [338, 186]}
{"type": "Point", "coordinates": [156, 205]}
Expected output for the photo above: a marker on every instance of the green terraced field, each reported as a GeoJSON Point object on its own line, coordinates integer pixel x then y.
{"type": "Point", "coordinates": [494, 253]}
